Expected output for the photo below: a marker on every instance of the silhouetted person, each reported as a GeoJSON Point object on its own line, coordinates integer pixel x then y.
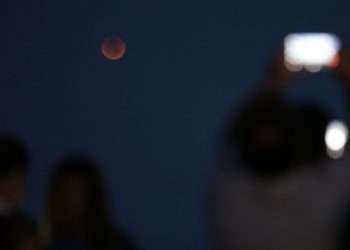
{"type": "Point", "coordinates": [17, 232]}
{"type": "Point", "coordinates": [275, 187]}
{"type": "Point", "coordinates": [78, 215]}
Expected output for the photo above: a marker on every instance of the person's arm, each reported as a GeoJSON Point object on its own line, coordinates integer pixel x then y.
{"type": "Point", "coordinates": [277, 78]}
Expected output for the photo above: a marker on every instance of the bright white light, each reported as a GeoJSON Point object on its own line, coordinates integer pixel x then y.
{"type": "Point", "coordinates": [311, 49]}
{"type": "Point", "coordinates": [336, 138]}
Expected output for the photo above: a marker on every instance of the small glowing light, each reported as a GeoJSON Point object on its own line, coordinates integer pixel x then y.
{"type": "Point", "coordinates": [312, 50]}
{"type": "Point", "coordinates": [336, 138]}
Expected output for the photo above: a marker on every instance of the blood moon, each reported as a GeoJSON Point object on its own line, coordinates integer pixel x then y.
{"type": "Point", "coordinates": [113, 47]}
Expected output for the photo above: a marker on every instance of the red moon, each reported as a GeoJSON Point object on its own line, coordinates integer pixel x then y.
{"type": "Point", "coordinates": [113, 47]}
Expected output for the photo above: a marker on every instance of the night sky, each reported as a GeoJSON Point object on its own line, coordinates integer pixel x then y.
{"type": "Point", "coordinates": [152, 118]}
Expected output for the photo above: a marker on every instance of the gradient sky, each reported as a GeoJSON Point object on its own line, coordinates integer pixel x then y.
{"type": "Point", "coordinates": [152, 118]}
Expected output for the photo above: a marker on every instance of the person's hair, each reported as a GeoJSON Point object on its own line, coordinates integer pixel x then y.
{"type": "Point", "coordinates": [310, 123]}
{"type": "Point", "coordinates": [98, 218]}
{"type": "Point", "coordinates": [13, 154]}
{"type": "Point", "coordinates": [263, 137]}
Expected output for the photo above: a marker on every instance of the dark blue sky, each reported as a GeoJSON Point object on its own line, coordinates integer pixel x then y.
{"type": "Point", "coordinates": [153, 117]}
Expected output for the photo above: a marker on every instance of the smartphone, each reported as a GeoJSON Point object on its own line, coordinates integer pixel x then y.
{"type": "Point", "coordinates": [311, 51]}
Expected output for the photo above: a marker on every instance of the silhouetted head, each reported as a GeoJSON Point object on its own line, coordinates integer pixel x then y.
{"type": "Point", "coordinates": [263, 137]}
{"type": "Point", "coordinates": [310, 123]}
{"type": "Point", "coordinates": [77, 205]}
{"type": "Point", "coordinates": [13, 169]}
{"type": "Point", "coordinates": [76, 197]}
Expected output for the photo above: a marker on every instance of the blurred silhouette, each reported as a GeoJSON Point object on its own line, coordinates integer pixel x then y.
{"type": "Point", "coordinates": [343, 71]}
{"type": "Point", "coordinates": [78, 215]}
{"type": "Point", "coordinates": [17, 231]}
{"type": "Point", "coordinates": [275, 187]}
{"type": "Point", "coordinates": [22, 231]}
{"type": "Point", "coordinates": [265, 136]}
